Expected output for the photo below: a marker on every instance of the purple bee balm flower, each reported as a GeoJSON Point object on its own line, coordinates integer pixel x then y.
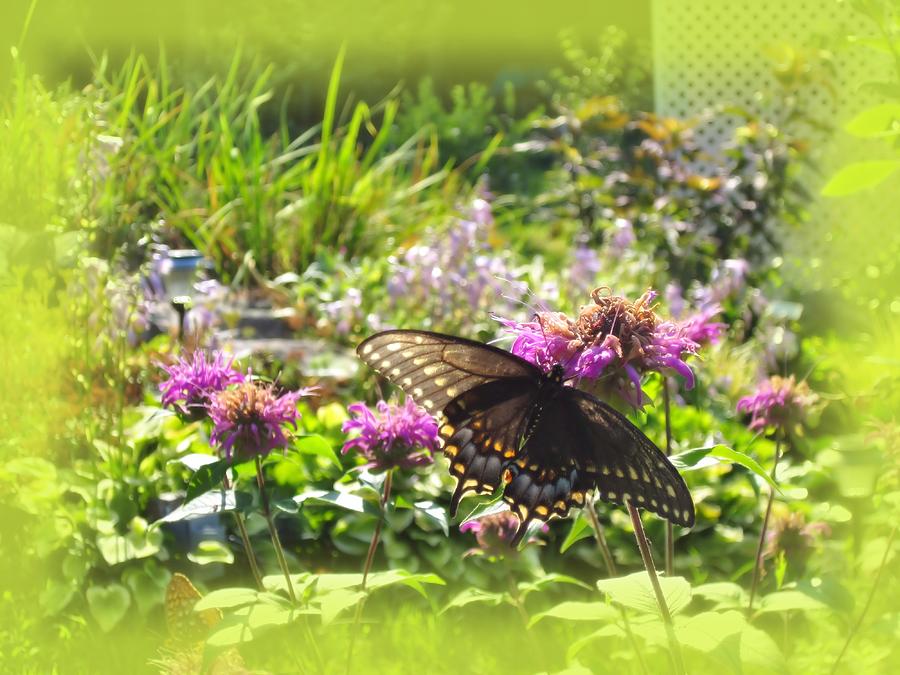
{"type": "Point", "coordinates": [777, 402]}
{"type": "Point", "coordinates": [494, 533]}
{"type": "Point", "coordinates": [249, 419]}
{"type": "Point", "coordinates": [193, 381]}
{"type": "Point", "coordinates": [702, 329]}
{"type": "Point", "coordinates": [613, 341]}
{"type": "Point", "coordinates": [403, 436]}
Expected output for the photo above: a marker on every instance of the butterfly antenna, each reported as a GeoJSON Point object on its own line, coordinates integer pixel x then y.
{"type": "Point", "coordinates": [538, 305]}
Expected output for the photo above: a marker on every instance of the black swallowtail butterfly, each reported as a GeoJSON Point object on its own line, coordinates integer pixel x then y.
{"type": "Point", "coordinates": [505, 422]}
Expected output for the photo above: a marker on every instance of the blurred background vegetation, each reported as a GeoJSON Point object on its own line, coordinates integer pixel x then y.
{"type": "Point", "coordinates": [325, 158]}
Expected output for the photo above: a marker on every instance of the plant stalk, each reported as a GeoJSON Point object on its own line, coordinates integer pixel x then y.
{"type": "Point", "coordinates": [376, 536]}
{"type": "Point", "coordinates": [270, 521]}
{"type": "Point", "coordinates": [601, 541]}
{"type": "Point", "coordinates": [245, 540]}
{"type": "Point", "coordinates": [862, 615]}
{"type": "Point", "coordinates": [758, 561]}
{"type": "Point", "coordinates": [647, 557]}
{"type": "Point", "coordinates": [670, 530]}
{"type": "Point", "coordinates": [370, 557]}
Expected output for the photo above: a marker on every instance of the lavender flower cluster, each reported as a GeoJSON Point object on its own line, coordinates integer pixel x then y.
{"type": "Point", "coordinates": [459, 270]}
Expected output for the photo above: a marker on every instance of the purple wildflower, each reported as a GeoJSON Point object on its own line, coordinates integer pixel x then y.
{"type": "Point", "coordinates": [702, 329]}
{"type": "Point", "coordinates": [459, 269]}
{"type": "Point", "coordinates": [193, 381]}
{"type": "Point", "coordinates": [798, 540]}
{"type": "Point", "coordinates": [584, 269]}
{"type": "Point", "coordinates": [777, 402]}
{"type": "Point", "coordinates": [674, 295]}
{"type": "Point", "coordinates": [613, 338]}
{"type": "Point", "coordinates": [402, 436]}
{"type": "Point", "coordinates": [249, 419]}
{"type": "Point", "coordinates": [621, 237]}
{"type": "Point", "coordinates": [494, 533]}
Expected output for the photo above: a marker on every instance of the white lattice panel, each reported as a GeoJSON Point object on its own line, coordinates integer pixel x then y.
{"type": "Point", "coordinates": [713, 52]}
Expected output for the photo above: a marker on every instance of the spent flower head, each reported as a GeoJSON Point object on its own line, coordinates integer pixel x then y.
{"type": "Point", "coordinates": [778, 402]}
{"type": "Point", "coordinates": [193, 380]}
{"type": "Point", "coordinates": [612, 338]}
{"type": "Point", "coordinates": [249, 419]}
{"type": "Point", "coordinates": [392, 436]}
{"type": "Point", "coordinates": [494, 533]}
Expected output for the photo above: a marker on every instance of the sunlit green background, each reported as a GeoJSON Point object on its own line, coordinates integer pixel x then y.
{"type": "Point", "coordinates": [847, 273]}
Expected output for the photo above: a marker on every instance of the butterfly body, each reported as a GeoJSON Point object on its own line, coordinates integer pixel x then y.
{"type": "Point", "coordinates": [504, 422]}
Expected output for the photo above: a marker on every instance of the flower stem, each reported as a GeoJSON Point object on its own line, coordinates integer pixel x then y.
{"type": "Point", "coordinates": [862, 615]}
{"type": "Point", "coordinates": [670, 532]}
{"type": "Point", "coordinates": [276, 541]}
{"type": "Point", "coordinates": [245, 540]}
{"type": "Point", "coordinates": [601, 541]}
{"type": "Point", "coordinates": [758, 561]}
{"type": "Point", "coordinates": [376, 536]}
{"type": "Point", "coordinates": [370, 557]}
{"type": "Point", "coordinates": [647, 557]}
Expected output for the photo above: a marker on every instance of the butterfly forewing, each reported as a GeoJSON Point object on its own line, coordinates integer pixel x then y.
{"type": "Point", "coordinates": [434, 369]}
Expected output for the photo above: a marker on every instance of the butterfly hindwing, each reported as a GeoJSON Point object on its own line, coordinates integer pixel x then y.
{"type": "Point", "coordinates": [480, 433]}
{"type": "Point", "coordinates": [434, 369]}
{"type": "Point", "coordinates": [623, 463]}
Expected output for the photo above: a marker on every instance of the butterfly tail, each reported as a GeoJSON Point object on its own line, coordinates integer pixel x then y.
{"type": "Point", "coordinates": [457, 497]}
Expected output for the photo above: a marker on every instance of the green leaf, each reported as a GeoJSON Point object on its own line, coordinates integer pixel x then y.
{"type": "Point", "coordinates": [789, 601]}
{"type": "Point", "coordinates": [317, 446]}
{"type": "Point", "coordinates": [300, 582]}
{"type": "Point", "coordinates": [108, 604]}
{"type": "Point", "coordinates": [612, 630]}
{"type": "Point", "coordinates": [859, 176]}
{"type": "Point", "coordinates": [486, 509]}
{"type": "Point", "coordinates": [433, 513]}
{"type": "Point", "coordinates": [691, 459]}
{"type": "Point", "coordinates": [473, 596]}
{"type": "Point", "coordinates": [227, 597]}
{"type": "Point", "coordinates": [197, 460]}
{"type": "Point", "coordinates": [233, 630]}
{"type": "Point", "coordinates": [147, 584]}
{"type": "Point", "coordinates": [337, 601]}
{"type": "Point", "coordinates": [286, 505]}
{"type": "Point", "coordinates": [207, 477]}
{"type": "Point", "coordinates": [879, 120]}
{"type": "Point", "coordinates": [211, 552]}
{"type": "Point", "coordinates": [343, 500]}
{"type": "Point", "coordinates": [724, 594]}
{"type": "Point", "coordinates": [581, 529]}
{"type": "Point", "coordinates": [139, 543]}
{"type": "Point", "coordinates": [547, 580]}
{"type": "Point", "coordinates": [56, 596]}
{"type": "Point", "coordinates": [215, 501]}
{"type": "Point", "coordinates": [578, 611]}
{"type": "Point", "coordinates": [378, 580]}
{"type": "Point", "coordinates": [635, 591]}
{"type": "Point", "coordinates": [705, 632]}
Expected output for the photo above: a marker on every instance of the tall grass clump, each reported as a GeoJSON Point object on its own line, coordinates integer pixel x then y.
{"type": "Point", "coordinates": [197, 161]}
